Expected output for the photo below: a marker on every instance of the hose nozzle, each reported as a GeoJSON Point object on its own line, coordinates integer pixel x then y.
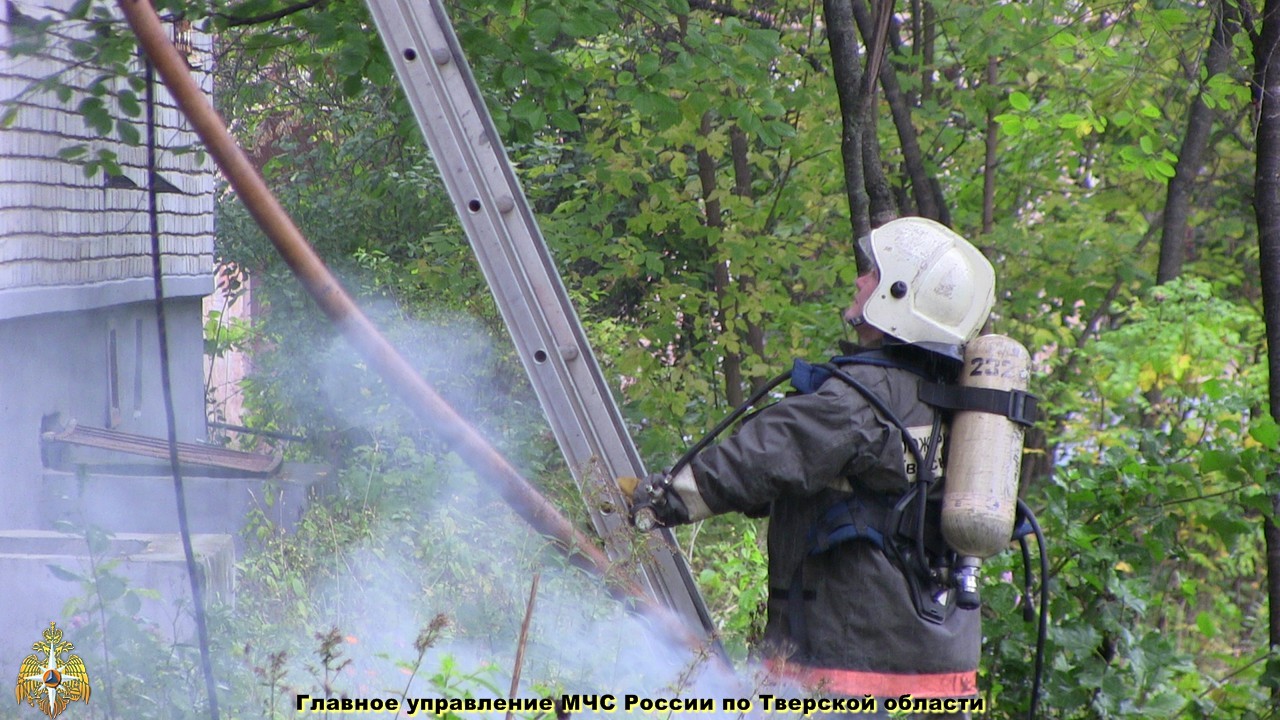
{"type": "Point", "coordinates": [645, 520]}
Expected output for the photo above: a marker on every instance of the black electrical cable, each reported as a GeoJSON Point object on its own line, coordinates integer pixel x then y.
{"type": "Point", "coordinates": [1042, 632]}
{"type": "Point", "coordinates": [184, 529]}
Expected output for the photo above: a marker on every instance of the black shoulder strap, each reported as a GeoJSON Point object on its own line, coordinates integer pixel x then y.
{"type": "Point", "coordinates": [1017, 405]}
{"type": "Point", "coordinates": [807, 377]}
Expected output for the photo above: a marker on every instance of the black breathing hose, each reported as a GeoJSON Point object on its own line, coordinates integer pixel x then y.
{"type": "Point", "coordinates": [729, 420]}
{"type": "Point", "coordinates": [1028, 580]}
{"type": "Point", "coordinates": [919, 492]}
{"type": "Point", "coordinates": [1042, 632]}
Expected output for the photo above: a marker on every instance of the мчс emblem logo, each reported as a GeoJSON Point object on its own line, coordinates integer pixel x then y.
{"type": "Point", "coordinates": [48, 681]}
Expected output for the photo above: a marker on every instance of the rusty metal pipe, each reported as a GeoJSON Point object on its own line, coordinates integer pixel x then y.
{"type": "Point", "coordinates": [334, 301]}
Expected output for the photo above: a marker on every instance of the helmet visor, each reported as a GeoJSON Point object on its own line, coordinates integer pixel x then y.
{"type": "Point", "coordinates": [864, 255]}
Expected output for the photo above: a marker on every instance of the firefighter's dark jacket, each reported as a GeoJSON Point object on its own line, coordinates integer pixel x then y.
{"type": "Point", "coordinates": [799, 456]}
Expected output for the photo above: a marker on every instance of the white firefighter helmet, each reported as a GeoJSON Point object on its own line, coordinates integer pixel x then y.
{"type": "Point", "coordinates": [935, 287]}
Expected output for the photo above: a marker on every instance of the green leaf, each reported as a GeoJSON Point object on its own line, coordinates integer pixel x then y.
{"type": "Point", "coordinates": [527, 110]}
{"type": "Point", "coordinates": [351, 58]}
{"type": "Point", "coordinates": [129, 104]}
{"type": "Point", "coordinates": [63, 574]}
{"type": "Point", "coordinates": [1214, 389]}
{"type": "Point", "coordinates": [1009, 124]}
{"type": "Point", "coordinates": [82, 50]}
{"type": "Point", "coordinates": [1172, 17]}
{"type": "Point", "coordinates": [1069, 120]}
{"type": "Point", "coordinates": [95, 115]}
{"type": "Point", "coordinates": [352, 85]}
{"type": "Point", "coordinates": [581, 25]}
{"type": "Point", "coordinates": [566, 120]}
{"type": "Point", "coordinates": [1019, 101]}
{"type": "Point", "coordinates": [648, 64]}
{"type": "Point", "coordinates": [1165, 705]}
{"type": "Point", "coordinates": [1215, 460]}
{"type": "Point", "coordinates": [107, 161]}
{"type": "Point", "coordinates": [1228, 526]}
{"type": "Point", "coordinates": [128, 132]}
{"type": "Point", "coordinates": [546, 25]}
{"type": "Point", "coordinates": [111, 588]}
{"type": "Point", "coordinates": [1266, 432]}
{"type": "Point", "coordinates": [131, 603]}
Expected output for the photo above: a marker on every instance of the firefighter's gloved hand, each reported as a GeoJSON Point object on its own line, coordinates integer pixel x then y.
{"type": "Point", "coordinates": [629, 483]}
{"type": "Point", "coordinates": [653, 502]}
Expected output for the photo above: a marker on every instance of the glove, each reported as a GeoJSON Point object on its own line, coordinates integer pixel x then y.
{"type": "Point", "coordinates": [652, 502]}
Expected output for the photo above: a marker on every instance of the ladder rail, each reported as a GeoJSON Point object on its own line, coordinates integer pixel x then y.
{"type": "Point", "coordinates": [530, 294]}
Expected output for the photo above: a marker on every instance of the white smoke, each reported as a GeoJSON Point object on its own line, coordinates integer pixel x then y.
{"type": "Point", "coordinates": [454, 549]}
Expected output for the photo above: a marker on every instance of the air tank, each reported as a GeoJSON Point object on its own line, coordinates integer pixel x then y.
{"type": "Point", "coordinates": [981, 493]}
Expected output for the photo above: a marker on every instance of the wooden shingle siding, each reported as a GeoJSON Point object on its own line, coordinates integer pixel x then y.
{"type": "Point", "coordinates": [68, 241]}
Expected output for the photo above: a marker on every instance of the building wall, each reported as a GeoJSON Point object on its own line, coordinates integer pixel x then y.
{"type": "Point", "coordinates": [78, 336]}
{"type": "Point", "coordinates": [68, 241]}
{"type": "Point", "coordinates": [98, 368]}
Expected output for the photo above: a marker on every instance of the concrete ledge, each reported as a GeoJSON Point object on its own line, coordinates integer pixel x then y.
{"type": "Point", "coordinates": [140, 498]}
{"type": "Point", "coordinates": [36, 594]}
{"type": "Point", "coordinates": [24, 301]}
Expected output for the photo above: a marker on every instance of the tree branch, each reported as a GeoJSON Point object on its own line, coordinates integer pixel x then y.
{"type": "Point", "coordinates": [847, 70]}
{"type": "Point", "coordinates": [763, 20]}
{"type": "Point", "coordinates": [284, 12]}
{"type": "Point", "coordinates": [1200, 118]}
{"type": "Point", "coordinates": [754, 16]}
{"type": "Point", "coordinates": [928, 202]}
{"type": "Point", "coordinates": [992, 145]}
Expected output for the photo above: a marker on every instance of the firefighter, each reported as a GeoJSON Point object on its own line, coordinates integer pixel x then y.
{"type": "Point", "coordinates": [866, 613]}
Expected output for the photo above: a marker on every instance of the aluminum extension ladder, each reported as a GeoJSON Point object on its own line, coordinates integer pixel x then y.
{"type": "Point", "coordinates": [529, 291]}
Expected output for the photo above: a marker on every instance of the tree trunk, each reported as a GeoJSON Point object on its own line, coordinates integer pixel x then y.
{"type": "Point", "coordinates": [927, 203]}
{"type": "Point", "coordinates": [881, 206]}
{"type": "Point", "coordinates": [989, 166]}
{"type": "Point", "coordinates": [928, 33]}
{"type": "Point", "coordinates": [742, 188]}
{"type": "Point", "coordinates": [732, 364]}
{"type": "Point", "coordinates": [848, 75]}
{"type": "Point", "coordinates": [1266, 55]}
{"type": "Point", "coordinates": [1271, 534]}
{"type": "Point", "coordinates": [1199, 122]}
